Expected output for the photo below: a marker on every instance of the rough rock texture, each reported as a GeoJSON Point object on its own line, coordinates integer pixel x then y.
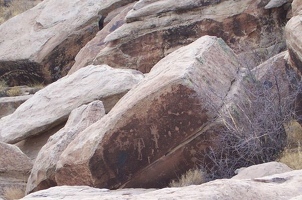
{"type": "Point", "coordinates": [9, 104]}
{"type": "Point", "coordinates": [293, 31]}
{"type": "Point", "coordinates": [155, 131]}
{"type": "Point", "coordinates": [48, 37]}
{"type": "Point", "coordinates": [42, 174]}
{"type": "Point", "coordinates": [275, 3]}
{"type": "Point", "coordinates": [51, 106]}
{"type": "Point", "coordinates": [297, 7]}
{"type": "Point", "coordinates": [93, 47]}
{"type": "Point", "coordinates": [14, 169]}
{"type": "Point", "coordinates": [280, 187]}
{"type": "Point", "coordinates": [261, 170]}
{"type": "Point", "coordinates": [156, 28]}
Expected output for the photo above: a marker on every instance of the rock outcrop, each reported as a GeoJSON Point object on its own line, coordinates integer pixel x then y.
{"type": "Point", "coordinates": [15, 168]}
{"type": "Point", "coordinates": [261, 170]}
{"type": "Point", "coordinates": [42, 174]}
{"type": "Point", "coordinates": [48, 37]}
{"type": "Point", "coordinates": [162, 120]}
{"type": "Point", "coordinates": [286, 186]}
{"type": "Point", "coordinates": [293, 31]}
{"type": "Point", "coordinates": [156, 28]}
{"type": "Point", "coordinates": [52, 105]}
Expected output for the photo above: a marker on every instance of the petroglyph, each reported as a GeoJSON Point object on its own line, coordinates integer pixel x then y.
{"type": "Point", "coordinates": [139, 145]}
{"type": "Point", "coordinates": [154, 132]}
{"type": "Point", "coordinates": [122, 142]}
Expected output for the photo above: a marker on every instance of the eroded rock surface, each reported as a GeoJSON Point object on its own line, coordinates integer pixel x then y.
{"type": "Point", "coordinates": [52, 105]}
{"type": "Point", "coordinates": [142, 141]}
{"type": "Point", "coordinates": [48, 37]}
{"type": "Point", "coordinates": [156, 28]}
{"type": "Point", "coordinates": [42, 174]}
{"type": "Point", "coordinates": [9, 104]}
{"type": "Point", "coordinates": [15, 168]}
{"type": "Point", "coordinates": [281, 186]}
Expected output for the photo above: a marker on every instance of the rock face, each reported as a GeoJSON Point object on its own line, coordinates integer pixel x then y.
{"type": "Point", "coordinates": [9, 104]}
{"type": "Point", "coordinates": [14, 170]}
{"type": "Point", "coordinates": [51, 106]}
{"type": "Point", "coordinates": [156, 28]}
{"type": "Point", "coordinates": [281, 186]}
{"type": "Point", "coordinates": [275, 3]}
{"type": "Point", "coordinates": [261, 170]}
{"type": "Point", "coordinates": [157, 128]}
{"type": "Point", "coordinates": [42, 174]}
{"type": "Point", "coordinates": [293, 36]}
{"type": "Point", "coordinates": [87, 54]}
{"type": "Point", "coordinates": [48, 37]}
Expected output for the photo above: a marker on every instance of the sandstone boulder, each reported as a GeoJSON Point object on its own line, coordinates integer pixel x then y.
{"type": "Point", "coordinates": [48, 37]}
{"type": "Point", "coordinates": [87, 54]}
{"type": "Point", "coordinates": [297, 7]}
{"type": "Point", "coordinates": [14, 170]}
{"type": "Point", "coordinates": [275, 3]}
{"type": "Point", "coordinates": [42, 174]}
{"type": "Point", "coordinates": [293, 39]}
{"type": "Point", "coordinates": [143, 140]}
{"type": "Point", "coordinates": [51, 106]}
{"type": "Point", "coordinates": [156, 28]}
{"type": "Point", "coordinates": [9, 104]}
{"type": "Point", "coordinates": [280, 187]}
{"type": "Point", "coordinates": [261, 170]}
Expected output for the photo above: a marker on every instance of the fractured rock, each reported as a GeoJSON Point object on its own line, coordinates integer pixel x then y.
{"type": "Point", "coordinates": [42, 174]}
{"type": "Point", "coordinates": [142, 141]}
{"type": "Point", "coordinates": [15, 168]}
{"type": "Point", "coordinates": [48, 37]}
{"type": "Point", "coordinates": [52, 105]}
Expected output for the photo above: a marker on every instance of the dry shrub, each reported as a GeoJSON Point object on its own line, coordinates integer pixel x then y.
{"type": "Point", "coordinates": [14, 91]}
{"type": "Point", "coordinates": [191, 177]}
{"type": "Point", "coordinates": [292, 156]}
{"type": "Point", "coordinates": [13, 193]}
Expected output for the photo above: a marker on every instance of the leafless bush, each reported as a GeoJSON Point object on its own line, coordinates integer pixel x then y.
{"type": "Point", "coordinates": [253, 123]}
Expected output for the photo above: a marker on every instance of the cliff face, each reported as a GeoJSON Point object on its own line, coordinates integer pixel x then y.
{"type": "Point", "coordinates": [154, 85]}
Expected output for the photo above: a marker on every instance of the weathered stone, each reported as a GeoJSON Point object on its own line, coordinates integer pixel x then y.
{"type": "Point", "coordinates": [9, 104]}
{"type": "Point", "coordinates": [297, 7]}
{"type": "Point", "coordinates": [48, 37]}
{"type": "Point", "coordinates": [156, 28]}
{"type": "Point", "coordinates": [282, 187]}
{"type": "Point", "coordinates": [42, 174]}
{"type": "Point", "coordinates": [51, 106]}
{"type": "Point", "coordinates": [261, 170]}
{"type": "Point", "coordinates": [93, 47]}
{"type": "Point", "coordinates": [294, 43]}
{"type": "Point", "coordinates": [141, 142]}
{"type": "Point", "coordinates": [14, 169]}
{"type": "Point", "coordinates": [275, 3]}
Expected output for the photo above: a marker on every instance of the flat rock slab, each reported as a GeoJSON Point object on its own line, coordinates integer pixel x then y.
{"type": "Point", "coordinates": [282, 187]}
{"type": "Point", "coordinates": [52, 105]}
{"type": "Point", "coordinates": [141, 141]}
{"type": "Point", "coordinates": [43, 173]}
{"type": "Point", "coordinates": [48, 37]}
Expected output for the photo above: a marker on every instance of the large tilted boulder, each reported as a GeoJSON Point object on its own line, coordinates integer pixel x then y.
{"type": "Point", "coordinates": [156, 28]}
{"type": "Point", "coordinates": [142, 141]}
{"type": "Point", "coordinates": [42, 174]}
{"type": "Point", "coordinates": [15, 168]}
{"type": "Point", "coordinates": [286, 186]}
{"type": "Point", "coordinates": [52, 105]}
{"type": "Point", "coordinates": [48, 37]}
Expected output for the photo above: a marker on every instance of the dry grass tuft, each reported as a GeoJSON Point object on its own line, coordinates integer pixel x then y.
{"type": "Point", "coordinates": [191, 177]}
{"type": "Point", "coordinates": [13, 193]}
{"type": "Point", "coordinates": [13, 92]}
{"type": "Point", "coordinates": [292, 155]}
